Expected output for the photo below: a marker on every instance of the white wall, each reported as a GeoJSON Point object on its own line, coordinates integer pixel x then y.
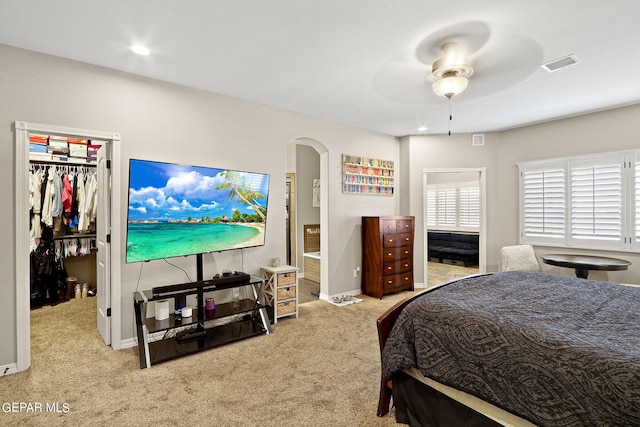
{"type": "Point", "coordinates": [448, 152]}
{"type": "Point", "coordinates": [167, 122]}
{"type": "Point", "coordinates": [611, 130]}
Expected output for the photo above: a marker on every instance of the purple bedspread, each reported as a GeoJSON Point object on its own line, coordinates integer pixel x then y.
{"type": "Point", "coordinates": [555, 350]}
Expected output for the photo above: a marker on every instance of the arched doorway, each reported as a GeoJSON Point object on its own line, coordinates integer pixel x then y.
{"type": "Point", "coordinates": [297, 226]}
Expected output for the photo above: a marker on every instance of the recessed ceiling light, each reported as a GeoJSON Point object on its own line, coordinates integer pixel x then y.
{"type": "Point", "coordinates": [422, 129]}
{"type": "Point", "coordinates": [140, 50]}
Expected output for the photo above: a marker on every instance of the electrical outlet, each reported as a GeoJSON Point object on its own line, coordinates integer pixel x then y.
{"type": "Point", "coordinates": [355, 272]}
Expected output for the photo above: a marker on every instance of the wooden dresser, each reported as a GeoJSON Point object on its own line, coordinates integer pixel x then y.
{"type": "Point", "coordinates": [387, 254]}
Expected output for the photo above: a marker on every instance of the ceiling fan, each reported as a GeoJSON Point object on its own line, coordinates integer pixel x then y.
{"type": "Point", "coordinates": [467, 56]}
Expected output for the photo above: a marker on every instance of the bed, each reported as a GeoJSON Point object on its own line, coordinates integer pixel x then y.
{"type": "Point", "coordinates": [513, 348]}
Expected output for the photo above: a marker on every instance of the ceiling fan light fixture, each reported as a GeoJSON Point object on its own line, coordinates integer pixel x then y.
{"type": "Point", "coordinates": [449, 86]}
{"type": "Point", "coordinates": [451, 72]}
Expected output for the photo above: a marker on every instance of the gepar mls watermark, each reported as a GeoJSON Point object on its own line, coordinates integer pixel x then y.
{"type": "Point", "coordinates": [36, 407]}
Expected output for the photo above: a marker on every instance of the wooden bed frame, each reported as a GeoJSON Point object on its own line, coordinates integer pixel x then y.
{"type": "Point", "coordinates": [384, 324]}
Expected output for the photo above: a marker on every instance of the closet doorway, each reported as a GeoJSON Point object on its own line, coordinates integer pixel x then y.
{"type": "Point", "coordinates": [106, 203]}
{"type": "Point", "coordinates": [455, 212]}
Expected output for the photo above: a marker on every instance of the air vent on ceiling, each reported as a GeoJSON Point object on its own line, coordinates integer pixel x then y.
{"type": "Point", "coordinates": [477, 139]}
{"type": "Point", "coordinates": [558, 64]}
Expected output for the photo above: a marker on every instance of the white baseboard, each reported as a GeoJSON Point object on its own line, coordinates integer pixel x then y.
{"type": "Point", "coordinates": [133, 342]}
{"type": "Point", "coordinates": [128, 343]}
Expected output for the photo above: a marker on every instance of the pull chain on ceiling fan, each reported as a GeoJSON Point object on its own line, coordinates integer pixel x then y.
{"type": "Point", "coordinates": [451, 74]}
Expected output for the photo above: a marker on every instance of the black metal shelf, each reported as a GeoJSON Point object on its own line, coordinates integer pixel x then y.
{"type": "Point", "coordinates": [223, 310]}
{"type": "Point", "coordinates": [172, 348]}
{"type": "Point", "coordinates": [205, 329]}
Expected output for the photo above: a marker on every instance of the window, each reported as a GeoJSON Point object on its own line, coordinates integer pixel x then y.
{"type": "Point", "coordinates": [453, 206]}
{"type": "Point", "coordinates": [583, 202]}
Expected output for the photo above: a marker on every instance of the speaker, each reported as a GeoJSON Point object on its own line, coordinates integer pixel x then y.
{"type": "Point", "coordinates": [162, 309]}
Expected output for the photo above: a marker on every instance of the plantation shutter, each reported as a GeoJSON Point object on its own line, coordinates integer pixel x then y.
{"type": "Point", "coordinates": [596, 200]}
{"type": "Point", "coordinates": [601, 208]}
{"type": "Point", "coordinates": [431, 208]}
{"type": "Point", "coordinates": [543, 196]}
{"type": "Point", "coordinates": [469, 207]}
{"type": "Point", "coordinates": [447, 207]}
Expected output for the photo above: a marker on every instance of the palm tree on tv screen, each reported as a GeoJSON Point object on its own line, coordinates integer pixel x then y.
{"type": "Point", "coordinates": [239, 189]}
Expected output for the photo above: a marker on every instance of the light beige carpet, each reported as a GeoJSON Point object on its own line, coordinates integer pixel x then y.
{"type": "Point", "coordinates": [439, 273]}
{"type": "Point", "coordinates": [322, 369]}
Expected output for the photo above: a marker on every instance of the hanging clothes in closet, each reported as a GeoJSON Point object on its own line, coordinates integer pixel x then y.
{"type": "Point", "coordinates": [63, 204]}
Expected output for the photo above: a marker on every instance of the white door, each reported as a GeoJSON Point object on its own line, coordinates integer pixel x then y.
{"type": "Point", "coordinates": [103, 229]}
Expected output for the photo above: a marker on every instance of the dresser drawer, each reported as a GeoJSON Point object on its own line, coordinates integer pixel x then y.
{"type": "Point", "coordinates": [397, 281]}
{"type": "Point", "coordinates": [399, 266]}
{"type": "Point", "coordinates": [404, 226]}
{"type": "Point", "coordinates": [389, 226]}
{"type": "Point", "coordinates": [392, 254]}
{"type": "Point", "coordinates": [286, 307]}
{"type": "Point", "coordinates": [393, 240]}
{"type": "Point", "coordinates": [406, 252]}
{"type": "Point", "coordinates": [397, 252]}
{"type": "Point", "coordinates": [405, 239]}
{"type": "Point", "coordinates": [390, 240]}
{"type": "Point", "coordinates": [288, 292]}
{"type": "Point", "coordinates": [285, 279]}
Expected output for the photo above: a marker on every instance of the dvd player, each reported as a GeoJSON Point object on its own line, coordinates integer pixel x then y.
{"type": "Point", "coordinates": [228, 278]}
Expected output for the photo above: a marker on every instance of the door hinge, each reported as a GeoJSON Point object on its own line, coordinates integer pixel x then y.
{"type": "Point", "coordinates": [108, 238]}
{"type": "Point", "coordinates": [108, 164]}
{"type": "Point", "coordinates": [109, 312]}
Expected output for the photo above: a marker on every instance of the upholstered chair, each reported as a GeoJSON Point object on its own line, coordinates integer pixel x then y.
{"type": "Point", "coordinates": [518, 257]}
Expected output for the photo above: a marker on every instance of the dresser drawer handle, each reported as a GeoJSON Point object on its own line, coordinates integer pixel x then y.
{"type": "Point", "coordinates": [406, 265]}
{"type": "Point", "coordinates": [406, 238]}
{"type": "Point", "coordinates": [388, 268]}
{"type": "Point", "coordinates": [390, 253]}
{"type": "Point", "coordinates": [406, 278]}
{"type": "Point", "coordinates": [390, 282]}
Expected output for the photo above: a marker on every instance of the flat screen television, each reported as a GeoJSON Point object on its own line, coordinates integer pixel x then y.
{"type": "Point", "coordinates": [177, 210]}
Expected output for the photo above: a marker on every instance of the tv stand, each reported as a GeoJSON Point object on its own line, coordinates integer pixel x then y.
{"type": "Point", "coordinates": [180, 336]}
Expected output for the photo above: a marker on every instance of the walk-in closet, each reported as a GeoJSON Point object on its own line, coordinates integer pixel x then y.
{"type": "Point", "coordinates": [62, 232]}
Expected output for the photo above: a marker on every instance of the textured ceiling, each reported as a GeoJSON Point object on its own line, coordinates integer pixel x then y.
{"type": "Point", "coordinates": [362, 63]}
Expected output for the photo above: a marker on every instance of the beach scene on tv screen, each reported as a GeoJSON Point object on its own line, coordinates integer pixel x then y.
{"type": "Point", "coordinates": [177, 210]}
